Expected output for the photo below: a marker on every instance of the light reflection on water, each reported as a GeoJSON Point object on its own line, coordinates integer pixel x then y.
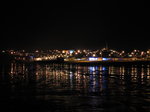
{"type": "Point", "coordinates": [127, 85]}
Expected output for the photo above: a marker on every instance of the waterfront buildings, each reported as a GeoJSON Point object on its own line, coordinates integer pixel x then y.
{"type": "Point", "coordinates": [104, 54]}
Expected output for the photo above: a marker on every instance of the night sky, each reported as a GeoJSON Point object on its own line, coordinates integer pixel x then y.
{"type": "Point", "coordinates": [73, 25]}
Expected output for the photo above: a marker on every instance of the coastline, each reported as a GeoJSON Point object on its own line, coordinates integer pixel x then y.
{"type": "Point", "coordinates": [95, 62]}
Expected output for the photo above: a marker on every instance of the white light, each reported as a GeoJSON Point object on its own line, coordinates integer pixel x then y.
{"type": "Point", "coordinates": [93, 59]}
{"type": "Point", "coordinates": [94, 55]}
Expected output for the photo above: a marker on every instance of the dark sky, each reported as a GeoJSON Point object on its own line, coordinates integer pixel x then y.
{"type": "Point", "coordinates": [71, 25]}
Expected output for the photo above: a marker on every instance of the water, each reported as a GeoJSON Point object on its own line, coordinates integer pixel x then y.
{"type": "Point", "coordinates": [75, 88]}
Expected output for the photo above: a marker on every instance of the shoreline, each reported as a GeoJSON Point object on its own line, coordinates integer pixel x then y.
{"type": "Point", "coordinates": [96, 62]}
{"type": "Point", "coordinates": [135, 62]}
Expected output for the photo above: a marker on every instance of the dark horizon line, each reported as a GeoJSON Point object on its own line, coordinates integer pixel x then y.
{"type": "Point", "coordinates": [40, 49]}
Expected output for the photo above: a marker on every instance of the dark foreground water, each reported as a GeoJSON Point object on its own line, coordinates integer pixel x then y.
{"type": "Point", "coordinates": [74, 88]}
